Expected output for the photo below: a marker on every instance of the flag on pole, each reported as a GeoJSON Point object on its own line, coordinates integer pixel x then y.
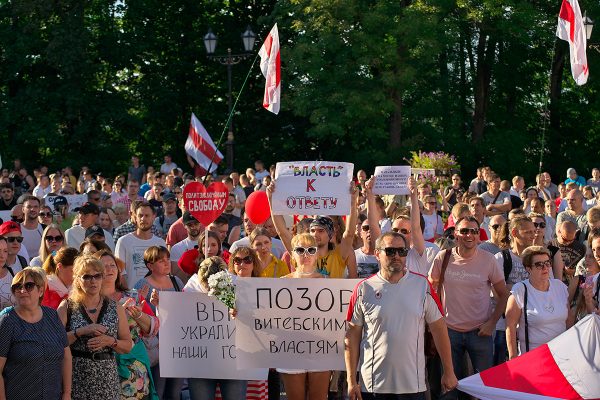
{"type": "Point", "coordinates": [270, 65]}
{"type": "Point", "coordinates": [572, 29]}
{"type": "Point", "coordinates": [201, 148]}
{"type": "Point", "coordinates": [567, 367]}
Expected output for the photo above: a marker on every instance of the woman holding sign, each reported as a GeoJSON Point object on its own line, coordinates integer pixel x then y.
{"type": "Point", "coordinates": [299, 383]}
{"type": "Point", "coordinates": [269, 266]}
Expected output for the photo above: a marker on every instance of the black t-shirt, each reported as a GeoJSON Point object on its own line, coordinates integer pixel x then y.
{"type": "Point", "coordinates": [9, 206]}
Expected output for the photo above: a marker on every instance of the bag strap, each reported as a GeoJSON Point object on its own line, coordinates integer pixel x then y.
{"type": "Point", "coordinates": [496, 198]}
{"type": "Point", "coordinates": [69, 313]}
{"type": "Point", "coordinates": [526, 322]}
{"type": "Point", "coordinates": [10, 271]}
{"type": "Point", "coordinates": [445, 261]}
{"type": "Point", "coordinates": [174, 282]}
{"type": "Point", "coordinates": [595, 297]}
{"type": "Point", "coordinates": [507, 264]}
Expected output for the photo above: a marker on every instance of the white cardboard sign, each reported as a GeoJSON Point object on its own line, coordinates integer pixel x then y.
{"type": "Point", "coordinates": [392, 179]}
{"type": "Point", "coordinates": [197, 339]}
{"type": "Point", "coordinates": [292, 323]}
{"type": "Point", "coordinates": [312, 187]}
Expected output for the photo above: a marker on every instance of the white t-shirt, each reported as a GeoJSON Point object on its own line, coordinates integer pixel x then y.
{"type": "Point", "coordinates": [546, 312]}
{"type": "Point", "coordinates": [32, 238]}
{"type": "Point", "coordinates": [6, 298]}
{"type": "Point", "coordinates": [518, 273]}
{"type": "Point", "coordinates": [433, 225]}
{"type": "Point", "coordinates": [179, 248]}
{"type": "Point", "coordinates": [76, 235]}
{"type": "Point", "coordinates": [366, 264]}
{"type": "Point", "coordinates": [130, 249]}
{"type": "Point", "coordinates": [277, 247]}
{"type": "Point", "coordinates": [392, 363]}
{"type": "Point", "coordinates": [167, 168]}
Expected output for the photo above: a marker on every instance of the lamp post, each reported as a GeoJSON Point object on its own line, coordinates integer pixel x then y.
{"type": "Point", "coordinates": [210, 43]}
{"type": "Point", "coordinates": [589, 26]}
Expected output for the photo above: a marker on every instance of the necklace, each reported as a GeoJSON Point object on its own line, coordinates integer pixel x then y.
{"type": "Point", "coordinates": [302, 273]}
{"type": "Point", "coordinates": [95, 309]}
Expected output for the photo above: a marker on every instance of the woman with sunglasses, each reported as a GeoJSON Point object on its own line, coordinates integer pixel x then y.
{"type": "Point", "coordinates": [45, 216]}
{"type": "Point", "coordinates": [35, 359]}
{"type": "Point", "coordinates": [434, 226]}
{"type": "Point", "coordinates": [59, 272]}
{"type": "Point", "coordinates": [269, 265]}
{"type": "Point", "coordinates": [134, 367]}
{"type": "Point", "coordinates": [539, 223]}
{"type": "Point", "coordinates": [53, 238]}
{"type": "Point", "coordinates": [537, 308]}
{"type": "Point", "coordinates": [96, 329]}
{"type": "Point", "coordinates": [300, 383]}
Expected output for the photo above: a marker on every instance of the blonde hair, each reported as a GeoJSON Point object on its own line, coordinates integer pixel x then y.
{"type": "Point", "coordinates": [305, 239]}
{"type": "Point", "coordinates": [83, 264]}
{"type": "Point", "coordinates": [44, 253]}
{"type": "Point", "coordinates": [210, 266]}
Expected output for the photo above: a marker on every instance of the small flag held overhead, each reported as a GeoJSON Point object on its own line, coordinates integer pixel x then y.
{"type": "Point", "coordinates": [572, 29]}
{"type": "Point", "coordinates": [201, 148]}
{"type": "Point", "coordinates": [270, 65]}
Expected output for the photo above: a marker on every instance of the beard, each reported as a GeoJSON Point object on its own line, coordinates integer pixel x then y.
{"type": "Point", "coordinates": [395, 267]}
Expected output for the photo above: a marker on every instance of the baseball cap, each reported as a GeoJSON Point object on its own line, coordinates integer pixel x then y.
{"type": "Point", "coordinates": [169, 196]}
{"type": "Point", "coordinates": [88, 208]}
{"type": "Point", "coordinates": [60, 201]}
{"type": "Point", "coordinates": [94, 230]}
{"type": "Point", "coordinates": [8, 227]}
{"type": "Point", "coordinates": [188, 218]}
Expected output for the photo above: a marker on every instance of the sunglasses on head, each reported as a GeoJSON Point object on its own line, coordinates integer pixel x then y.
{"type": "Point", "coordinates": [18, 239]}
{"type": "Point", "coordinates": [365, 228]}
{"type": "Point", "coordinates": [245, 260]}
{"type": "Point", "coordinates": [402, 231]}
{"type": "Point", "coordinates": [54, 238]}
{"type": "Point", "coordinates": [539, 224]}
{"type": "Point", "coordinates": [306, 250]}
{"type": "Point", "coordinates": [390, 251]}
{"type": "Point", "coordinates": [45, 214]}
{"type": "Point", "coordinates": [466, 231]}
{"type": "Point", "coordinates": [95, 277]}
{"type": "Point", "coordinates": [17, 287]}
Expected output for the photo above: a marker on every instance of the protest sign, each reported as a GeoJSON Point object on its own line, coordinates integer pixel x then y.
{"type": "Point", "coordinates": [392, 179]}
{"type": "Point", "coordinates": [197, 339]}
{"type": "Point", "coordinates": [292, 323]}
{"type": "Point", "coordinates": [205, 203]}
{"type": "Point", "coordinates": [312, 187]}
{"type": "Point", "coordinates": [74, 200]}
{"type": "Point", "coordinates": [423, 173]}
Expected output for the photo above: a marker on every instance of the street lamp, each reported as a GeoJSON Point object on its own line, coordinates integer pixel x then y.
{"type": "Point", "coordinates": [210, 43]}
{"type": "Point", "coordinates": [589, 26]}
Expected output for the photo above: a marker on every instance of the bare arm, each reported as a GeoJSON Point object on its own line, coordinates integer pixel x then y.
{"type": "Point", "coordinates": [513, 315]}
{"type": "Point", "coordinates": [489, 326]}
{"type": "Point", "coordinates": [372, 216]}
{"type": "Point", "coordinates": [351, 355]}
{"type": "Point", "coordinates": [234, 235]}
{"type": "Point", "coordinates": [439, 331]}
{"type": "Point", "coordinates": [67, 373]}
{"type": "Point", "coordinates": [284, 234]}
{"type": "Point", "coordinates": [124, 342]}
{"type": "Point", "coordinates": [346, 249]}
{"type": "Point", "coordinates": [418, 242]}
{"type": "Point", "coordinates": [558, 265]}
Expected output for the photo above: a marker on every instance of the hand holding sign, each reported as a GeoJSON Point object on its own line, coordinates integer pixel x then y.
{"type": "Point", "coordinates": [205, 204]}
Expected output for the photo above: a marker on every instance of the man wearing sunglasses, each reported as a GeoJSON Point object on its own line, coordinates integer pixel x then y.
{"type": "Point", "coordinates": [468, 275]}
{"type": "Point", "coordinates": [12, 232]}
{"type": "Point", "coordinates": [388, 363]}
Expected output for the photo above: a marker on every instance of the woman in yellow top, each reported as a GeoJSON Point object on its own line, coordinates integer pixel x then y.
{"type": "Point", "coordinates": [269, 266]}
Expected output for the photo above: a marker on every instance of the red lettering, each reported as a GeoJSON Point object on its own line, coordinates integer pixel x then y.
{"type": "Point", "coordinates": [309, 185]}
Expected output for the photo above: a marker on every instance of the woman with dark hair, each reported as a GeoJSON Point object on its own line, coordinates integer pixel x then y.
{"type": "Point", "coordinates": [59, 272]}
{"type": "Point", "coordinates": [134, 367]}
{"type": "Point", "coordinates": [190, 259]}
{"type": "Point", "coordinates": [35, 359]}
{"type": "Point", "coordinates": [269, 265]}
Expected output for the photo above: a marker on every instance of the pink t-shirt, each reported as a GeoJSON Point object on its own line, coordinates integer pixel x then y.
{"type": "Point", "coordinates": [467, 285]}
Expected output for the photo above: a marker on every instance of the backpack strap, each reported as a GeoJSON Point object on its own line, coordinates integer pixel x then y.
{"type": "Point", "coordinates": [526, 322]}
{"type": "Point", "coordinates": [445, 261]}
{"type": "Point", "coordinates": [10, 271]}
{"type": "Point", "coordinates": [507, 264]}
{"type": "Point", "coordinates": [22, 261]}
{"type": "Point", "coordinates": [174, 282]}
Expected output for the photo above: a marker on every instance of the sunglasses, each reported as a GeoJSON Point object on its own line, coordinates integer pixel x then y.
{"type": "Point", "coordinates": [18, 239]}
{"type": "Point", "coordinates": [305, 250]}
{"type": "Point", "coordinates": [432, 202]}
{"type": "Point", "coordinates": [390, 251]}
{"type": "Point", "coordinates": [245, 260]}
{"type": "Point", "coordinates": [45, 214]}
{"type": "Point", "coordinates": [17, 287]}
{"type": "Point", "coordinates": [495, 227]}
{"type": "Point", "coordinates": [539, 224]}
{"type": "Point", "coordinates": [178, 192]}
{"type": "Point", "coordinates": [17, 219]}
{"type": "Point", "coordinates": [402, 231]}
{"type": "Point", "coordinates": [365, 228]}
{"type": "Point", "coordinates": [95, 277]}
{"type": "Point", "coordinates": [466, 231]}
{"type": "Point", "coordinates": [54, 238]}
{"type": "Point", "coordinates": [94, 198]}
{"type": "Point", "coordinates": [543, 264]}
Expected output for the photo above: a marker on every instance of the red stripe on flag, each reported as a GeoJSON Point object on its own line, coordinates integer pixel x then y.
{"type": "Point", "coordinates": [203, 146]}
{"type": "Point", "coordinates": [567, 13]}
{"type": "Point", "coordinates": [535, 372]}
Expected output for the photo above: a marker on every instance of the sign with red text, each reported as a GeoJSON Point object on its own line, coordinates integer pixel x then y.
{"type": "Point", "coordinates": [197, 339]}
{"type": "Point", "coordinates": [312, 188]}
{"type": "Point", "coordinates": [291, 323]}
{"type": "Point", "coordinates": [392, 179]}
{"type": "Point", "coordinates": [205, 203]}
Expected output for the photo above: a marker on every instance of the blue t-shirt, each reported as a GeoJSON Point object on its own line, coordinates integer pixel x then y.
{"type": "Point", "coordinates": [580, 181]}
{"type": "Point", "coordinates": [144, 282]}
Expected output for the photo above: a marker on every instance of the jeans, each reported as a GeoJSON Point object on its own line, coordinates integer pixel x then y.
{"type": "Point", "coordinates": [479, 348]}
{"type": "Point", "coordinates": [166, 388]}
{"type": "Point", "coordinates": [391, 396]}
{"type": "Point", "coordinates": [500, 348]}
{"type": "Point", "coordinates": [202, 389]}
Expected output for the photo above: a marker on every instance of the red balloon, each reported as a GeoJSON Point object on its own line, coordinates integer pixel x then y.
{"type": "Point", "coordinates": [257, 207]}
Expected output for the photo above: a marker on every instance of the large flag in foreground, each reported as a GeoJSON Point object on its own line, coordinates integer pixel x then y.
{"type": "Point", "coordinates": [571, 29]}
{"type": "Point", "coordinates": [270, 65]}
{"type": "Point", "coordinates": [201, 148]}
{"type": "Point", "coordinates": [568, 367]}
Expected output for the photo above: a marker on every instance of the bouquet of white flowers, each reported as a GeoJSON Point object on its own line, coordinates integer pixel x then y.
{"type": "Point", "coordinates": [221, 286]}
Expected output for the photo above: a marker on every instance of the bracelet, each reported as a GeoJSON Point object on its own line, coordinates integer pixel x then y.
{"type": "Point", "coordinates": [75, 334]}
{"type": "Point", "coordinates": [114, 345]}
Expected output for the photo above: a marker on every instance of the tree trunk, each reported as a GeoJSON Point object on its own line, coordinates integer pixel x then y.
{"type": "Point", "coordinates": [396, 121]}
{"type": "Point", "coordinates": [486, 51]}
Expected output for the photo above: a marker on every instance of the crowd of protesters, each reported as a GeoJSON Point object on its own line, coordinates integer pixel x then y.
{"type": "Point", "coordinates": [488, 270]}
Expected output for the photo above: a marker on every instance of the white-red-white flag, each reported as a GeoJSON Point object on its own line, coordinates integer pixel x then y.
{"type": "Point", "coordinates": [572, 29]}
{"type": "Point", "coordinates": [270, 65]}
{"type": "Point", "coordinates": [200, 146]}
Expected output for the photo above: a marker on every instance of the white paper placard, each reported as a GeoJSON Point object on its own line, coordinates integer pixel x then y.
{"type": "Point", "coordinates": [292, 323]}
{"type": "Point", "coordinates": [391, 179]}
{"type": "Point", "coordinates": [312, 187]}
{"type": "Point", "coordinates": [74, 200]}
{"type": "Point", "coordinates": [197, 339]}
